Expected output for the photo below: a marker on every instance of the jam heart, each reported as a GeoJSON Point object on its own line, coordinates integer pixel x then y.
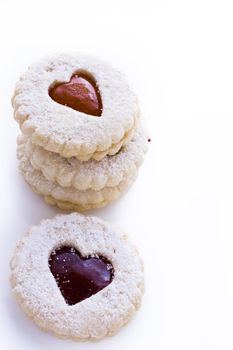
{"type": "Point", "coordinates": [79, 277]}
{"type": "Point", "coordinates": [80, 93]}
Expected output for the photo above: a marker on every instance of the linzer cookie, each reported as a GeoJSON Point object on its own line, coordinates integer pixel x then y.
{"type": "Point", "coordinates": [77, 277]}
{"type": "Point", "coordinates": [73, 198]}
{"type": "Point", "coordinates": [76, 106]}
{"type": "Point", "coordinates": [92, 174]}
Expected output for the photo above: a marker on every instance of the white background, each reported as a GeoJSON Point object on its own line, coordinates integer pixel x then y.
{"type": "Point", "coordinates": [178, 55]}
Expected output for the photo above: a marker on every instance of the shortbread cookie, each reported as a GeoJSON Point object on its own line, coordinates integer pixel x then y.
{"type": "Point", "coordinates": [104, 196]}
{"type": "Point", "coordinates": [77, 106]}
{"type": "Point", "coordinates": [78, 277]}
{"type": "Point", "coordinates": [67, 172]}
{"type": "Point", "coordinates": [82, 200]}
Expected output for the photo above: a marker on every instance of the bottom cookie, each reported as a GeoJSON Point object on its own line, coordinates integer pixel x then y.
{"type": "Point", "coordinates": [77, 276]}
{"type": "Point", "coordinates": [69, 197]}
{"type": "Point", "coordinates": [72, 206]}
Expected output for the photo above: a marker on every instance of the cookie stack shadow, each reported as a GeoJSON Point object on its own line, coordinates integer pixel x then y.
{"type": "Point", "coordinates": [81, 173]}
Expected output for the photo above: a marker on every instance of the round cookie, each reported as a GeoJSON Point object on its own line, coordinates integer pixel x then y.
{"type": "Point", "coordinates": [75, 199]}
{"type": "Point", "coordinates": [95, 175]}
{"type": "Point", "coordinates": [57, 125]}
{"type": "Point", "coordinates": [78, 277]}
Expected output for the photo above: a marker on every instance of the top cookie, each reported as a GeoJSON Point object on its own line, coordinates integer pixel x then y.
{"type": "Point", "coordinates": [93, 124]}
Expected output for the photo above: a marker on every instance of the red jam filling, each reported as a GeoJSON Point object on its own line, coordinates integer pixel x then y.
{"type": "Point", "coordinates": [79, 277]}
{"type": "Point", "coordinates": [80, 93]}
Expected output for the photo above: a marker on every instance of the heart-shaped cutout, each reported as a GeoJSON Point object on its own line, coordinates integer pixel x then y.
{"type": "Point", "coordinates": [79, 277]}
{"type": "Point", "coordinates": [80, 93]}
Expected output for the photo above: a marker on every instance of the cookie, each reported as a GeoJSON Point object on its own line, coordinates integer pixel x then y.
{"type": "Point", "coordinates": [53, 193]}
{"type": "Point", "coordinates": [76, 106]}
{"type": "Point", "coordinates": [95, 175]}
{"type": "Point", "coordinates": [78, 277]}
{"type": "Point", "coordinates": [72, 206]}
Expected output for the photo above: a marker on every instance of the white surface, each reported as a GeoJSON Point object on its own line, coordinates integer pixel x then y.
{"type": "Point", "coordinates": [178, 55]}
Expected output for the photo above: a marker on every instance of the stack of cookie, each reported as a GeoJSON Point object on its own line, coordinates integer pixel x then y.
{"type": "Point", "coordinates": [82, 136]}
